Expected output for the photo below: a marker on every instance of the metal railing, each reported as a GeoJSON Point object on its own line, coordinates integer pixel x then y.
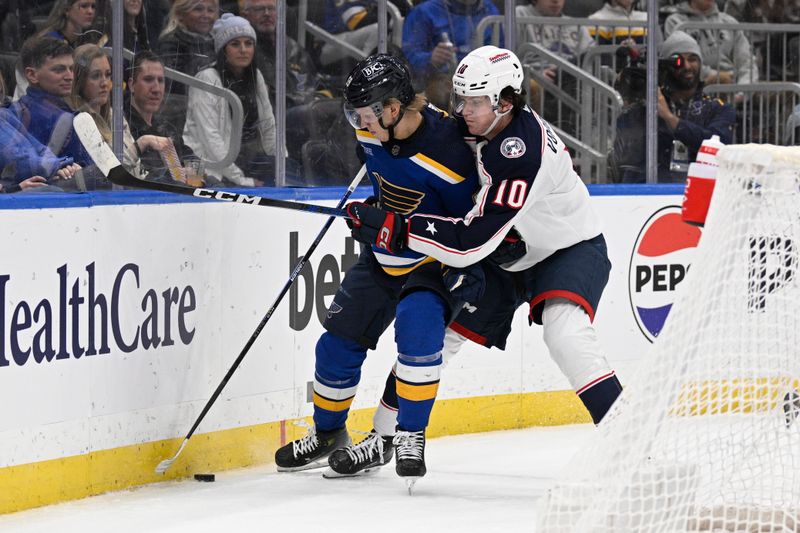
{"type": "Point", "coordinates": [765, 41]}
{"type": "Point", "coordinates": [237, 113]}
{"type": "Point", "coordinates": [595, 104]}
{"type": "Point", "coordinates": [318, 32]}
{"type": "Point", "coordinates": [498, 21]}
{"type": "Point", "coordinates": [769, 113]}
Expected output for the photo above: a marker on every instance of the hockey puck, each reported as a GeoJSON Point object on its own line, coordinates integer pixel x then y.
{"type": "Point", "coordinates": [208, 478]}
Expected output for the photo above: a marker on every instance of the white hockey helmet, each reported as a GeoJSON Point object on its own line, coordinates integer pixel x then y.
{"type": "Point", "coordinates": [486, 71]}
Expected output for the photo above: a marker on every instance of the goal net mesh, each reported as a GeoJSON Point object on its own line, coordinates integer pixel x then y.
{"type": "Point", "coordinates": [704, 437]}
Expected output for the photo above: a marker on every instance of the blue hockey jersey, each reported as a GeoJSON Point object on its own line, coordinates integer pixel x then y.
{"type": "Point", "coordinates": [433, 171]}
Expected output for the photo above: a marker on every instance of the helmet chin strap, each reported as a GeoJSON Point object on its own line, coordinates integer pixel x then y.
{"type": "Point", "coordinates": [497, 117]}
{"type": "Point", "coordinates": [391, 126]}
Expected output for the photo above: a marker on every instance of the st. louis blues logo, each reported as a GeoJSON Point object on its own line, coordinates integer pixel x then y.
{"type": "Point", "coordinates": [333, 309]}
{"type": "Point", "coordinates": [512, 147]}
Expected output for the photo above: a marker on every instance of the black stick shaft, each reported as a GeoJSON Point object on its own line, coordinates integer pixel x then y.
{"type": "Point", "coordinates": [300, 264]}
{"type": "Point", "coordinates": [120, 176]}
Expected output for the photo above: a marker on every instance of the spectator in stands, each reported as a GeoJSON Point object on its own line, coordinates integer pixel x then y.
{"type": "Point", "coordinates": [581, 8]}
{"type": "Point", "coordinates": [622, 35]}
{"type": "Point", "coordinates": [568, 42]}
{"type": "Point", "coordinates": [686, 117]}
{"type": "Point", "coordinates": [91, 93]}
{"type": "Point", "coordinates": [209, 121]}
{"type": "Point", "coordinates": [727, 55]}
{"type": "Point", "coordinates": [156, 15]}
{"type": "Point", "coordinates": [135, 35]}
{"type": "Point", "coordinates": [778, 46]}
{"type": "Point", "coordinates": [302, 80]}
{"type": "Point", "coordinates": [146, 86]}
{"type": "Point", "coordinates": [71, 21]}
{"type": "Point", "coordinates": [15, 24]}
{"type": "Point", "coordinates": [353, 21]}
{"type": "Point", "coordinates": [26, 164]}
{"type": "Point", "coordinates": [437, 34]}
{"type": "Point", "coordinates": [43, 110]}
{"type": "Point", "coordinates": [186, 45]}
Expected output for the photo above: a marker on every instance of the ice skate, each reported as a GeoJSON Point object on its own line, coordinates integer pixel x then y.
{"type": "Point", "coordinates": [311, 451]}
{"type": "Point", "coordinates": [363, 458]}
{"type": "Point", "coordinates": [410, 460]}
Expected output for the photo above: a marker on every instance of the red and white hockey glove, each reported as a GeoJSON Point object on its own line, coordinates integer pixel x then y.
{"type": "Point", "coordinates": [372, 225]}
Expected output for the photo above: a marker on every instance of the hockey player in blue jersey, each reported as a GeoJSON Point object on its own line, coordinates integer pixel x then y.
{"type": "Point", "coordinates": [417, 161]}
{"type": "Point", "coordinates": [532, 214]}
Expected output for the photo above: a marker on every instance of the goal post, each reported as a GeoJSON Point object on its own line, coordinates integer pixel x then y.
{"type": "Point", "coordinates": [704, 437]}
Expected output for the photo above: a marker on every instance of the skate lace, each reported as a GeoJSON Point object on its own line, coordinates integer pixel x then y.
{"type": "Point", "coordinates": [409, 444]}
{"type": "Point", "coordinates": [364, 450]}
{"type": "Point", "coordinates": [308, 443]}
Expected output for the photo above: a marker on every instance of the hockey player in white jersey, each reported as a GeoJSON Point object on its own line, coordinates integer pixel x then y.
{"type": "Point", "coordinates": [533, 212]}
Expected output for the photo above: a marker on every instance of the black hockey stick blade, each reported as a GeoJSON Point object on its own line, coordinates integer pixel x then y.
{"type": "Point", "coordinates": [109, 165]}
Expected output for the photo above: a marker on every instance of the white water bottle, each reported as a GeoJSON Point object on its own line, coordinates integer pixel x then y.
{"type": "Point", "coordinates": [708, 151]}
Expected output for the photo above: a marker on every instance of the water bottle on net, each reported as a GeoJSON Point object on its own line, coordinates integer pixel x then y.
{"type": "Point", "coordinates": [700, 181]}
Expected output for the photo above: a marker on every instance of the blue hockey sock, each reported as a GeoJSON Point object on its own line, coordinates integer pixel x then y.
{"type": "Point", "coordinates": [419, 333]}
{"type": "Point", "coordinates": [336, 376]}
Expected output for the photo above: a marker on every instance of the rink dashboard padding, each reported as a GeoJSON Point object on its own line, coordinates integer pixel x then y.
{"type": "Point", "coordinates": [122, 311]}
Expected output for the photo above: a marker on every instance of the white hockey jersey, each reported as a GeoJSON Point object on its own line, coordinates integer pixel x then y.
{"type": "Point", "coordinates": [528, 183]}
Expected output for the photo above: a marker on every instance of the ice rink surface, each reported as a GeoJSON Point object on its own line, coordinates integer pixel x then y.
{"type": "Point", "coordinates": [475, 483]}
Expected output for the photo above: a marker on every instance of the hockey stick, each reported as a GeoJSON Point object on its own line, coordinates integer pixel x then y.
{"type": "Point", "coordinates": [111, 168]}
{"type": "Point", "coordinates": [166, 463]}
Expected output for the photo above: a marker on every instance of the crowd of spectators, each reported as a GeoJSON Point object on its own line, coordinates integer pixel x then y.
{"type": "Point", "coordinates": [63, 68]}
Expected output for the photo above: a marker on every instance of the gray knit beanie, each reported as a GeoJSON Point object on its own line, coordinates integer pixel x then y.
{"type": "Point", "coordinates": [229, 27]}
{"type": "Point", "coordinates": [680, 42]}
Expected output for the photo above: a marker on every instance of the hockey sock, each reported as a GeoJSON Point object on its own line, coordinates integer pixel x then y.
{"type": "Point", "coordinates": [385, 418]}
{"type": "Point", "coordinates": [419, 334]}
{"type": "Point", "coordinates": [336, 377]}
{"type": "Point", "coordinates": [599, 396]}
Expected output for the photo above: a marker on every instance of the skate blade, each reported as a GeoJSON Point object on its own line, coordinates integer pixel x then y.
{"type": "Point", "coordinates": [410, 482]}
{"type": "Point", "coordinates": [310, 466]}
{"type": "Point", "coordinates": [332, 474]}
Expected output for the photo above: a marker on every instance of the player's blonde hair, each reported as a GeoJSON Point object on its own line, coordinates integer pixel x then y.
{"type": "Point", "coordinates": [417, 104]}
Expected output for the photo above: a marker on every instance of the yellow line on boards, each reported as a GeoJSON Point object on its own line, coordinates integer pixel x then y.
{"type": "Point", "coordinates": [70, 478]}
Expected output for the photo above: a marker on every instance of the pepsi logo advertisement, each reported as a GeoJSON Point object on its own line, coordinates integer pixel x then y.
{"type": "Point", "coordinates": [660, 260]}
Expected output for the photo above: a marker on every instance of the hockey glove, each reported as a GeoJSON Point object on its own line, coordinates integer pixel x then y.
{"type": "Point", "coordinates": [510, 250]}
{"type": "Point", "coordinates": [465, 284]}
{"type": "Point", "coordinates": [374, 226]}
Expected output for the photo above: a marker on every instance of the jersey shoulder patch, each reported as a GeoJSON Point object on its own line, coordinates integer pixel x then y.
{"type": "Point", "coordinates": [512, 147]}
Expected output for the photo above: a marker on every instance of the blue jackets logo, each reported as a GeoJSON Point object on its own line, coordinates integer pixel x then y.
{"type": "Point", "coordinates": [659, 262]}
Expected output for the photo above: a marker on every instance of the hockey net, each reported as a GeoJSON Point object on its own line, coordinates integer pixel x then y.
{"type": "Point", "coordinates": [705, 436]}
